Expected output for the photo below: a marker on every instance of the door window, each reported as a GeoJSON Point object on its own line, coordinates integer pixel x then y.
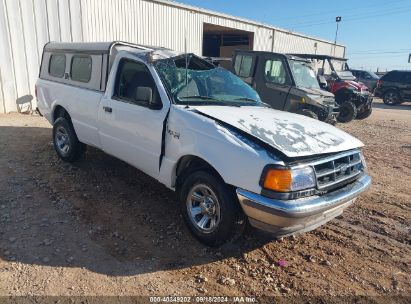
{"type": "Point", "coordinates": [57, 65]}
{"type": "Point", "coordinates": [81, 68]}
{"type": "Point", "coordinates": [132, 76]}
{"type": "Point", "coordinates": [243, 64]}
{"type": "Point", "coordinates": [275, 72]}
{"type": "Point", "coordinates": [392, 76]}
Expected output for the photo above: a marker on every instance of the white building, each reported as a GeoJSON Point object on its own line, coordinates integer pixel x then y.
{"type": "Point", "coordinates": [26, 25]}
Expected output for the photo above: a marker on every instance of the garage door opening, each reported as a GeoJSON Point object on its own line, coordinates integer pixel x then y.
{"type": "Point", "coordinates": [220, 41]}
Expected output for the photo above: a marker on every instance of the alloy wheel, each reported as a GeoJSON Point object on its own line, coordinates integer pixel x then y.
{"type": "Point", "coordinates": [203, 208]}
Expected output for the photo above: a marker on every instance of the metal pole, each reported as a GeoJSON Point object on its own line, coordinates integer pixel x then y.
{"type": "Point", "coordinates": [335, 40]}
{"type": "Point", "coordinates": [337, 20]}
{"type": "Point", "coordinates": [273, 41]}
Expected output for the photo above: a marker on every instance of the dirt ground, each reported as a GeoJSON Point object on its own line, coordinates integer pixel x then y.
{"type": "Point", "coordinates": [101, 227]}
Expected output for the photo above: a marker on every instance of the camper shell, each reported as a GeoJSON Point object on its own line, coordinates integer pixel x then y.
{"type": "Point", "coordinates": [100, 56]}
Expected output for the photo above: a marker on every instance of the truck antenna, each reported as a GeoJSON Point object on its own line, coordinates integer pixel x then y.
{"type": "Point", "coordinates": [186, 57]}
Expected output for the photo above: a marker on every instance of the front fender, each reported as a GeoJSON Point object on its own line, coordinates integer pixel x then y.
{"type": "Point", "coordinates": [238, 163]}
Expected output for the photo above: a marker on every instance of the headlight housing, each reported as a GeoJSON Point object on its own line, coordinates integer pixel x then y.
{"type": "Point", "coordinates": [281, 179]}
{"type": "Point", "coordinates": [364, 164]}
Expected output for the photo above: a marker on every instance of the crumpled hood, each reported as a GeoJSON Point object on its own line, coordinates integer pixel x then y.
{"type": "Point", "coordinates": [358, 85]}
{"type": "Point", "coordinates": [292, 134]}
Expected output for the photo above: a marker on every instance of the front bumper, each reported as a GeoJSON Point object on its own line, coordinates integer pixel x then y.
{"type": "Point", "coordinates": [365, 102]}
{"type": "Point", "coordinates": [287, 217]}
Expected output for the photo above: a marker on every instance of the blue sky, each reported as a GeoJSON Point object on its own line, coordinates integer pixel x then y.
{"type": "Point", "coordinates": [377, 33]}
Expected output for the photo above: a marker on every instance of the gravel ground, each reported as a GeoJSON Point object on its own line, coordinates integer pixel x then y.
{"type": "Point", "coordinates": [101, 227]}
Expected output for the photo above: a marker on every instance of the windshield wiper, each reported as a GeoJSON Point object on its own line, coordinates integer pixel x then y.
{"type": "Point", "coordinates": [254, 101]}
{"type": "Point", "coordinates": [246, 99]}
{"type": "Point", "coordinates": [198, 97]}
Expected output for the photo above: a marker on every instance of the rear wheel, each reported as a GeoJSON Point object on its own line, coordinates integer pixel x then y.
{"type": "Point", "coordinates": [65, 141]}
{"type": "Point", "coordinates": [364, 114]}
{"type": "Point", "coordinates": [348, 112]}
{"type": "Point", "coordinates": [210, 208]}
{"type": "Point", "coordinates": [391, 98]}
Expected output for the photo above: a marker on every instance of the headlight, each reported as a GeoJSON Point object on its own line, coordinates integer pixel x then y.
{"type": "Point", "coordinates": [364, 164]}
{"type": "Point", "coordinates": [288, 180]}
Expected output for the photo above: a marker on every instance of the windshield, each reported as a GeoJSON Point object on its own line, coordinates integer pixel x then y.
{"type": "Point", "coordinates": [339, 65]}
{"type": "Point", "coordinates": [340, 68]}
{"type": "Point", "coordinates": [304, 76]}
{"type": "Point", "coordinates": [203, 83]}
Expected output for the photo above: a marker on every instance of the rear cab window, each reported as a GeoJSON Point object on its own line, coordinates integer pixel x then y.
{"type": "Point", "coordinates": [406, 77]}
{"type": "Point", "coordinates": [57, 65]}
{"type": "Point", "coordinates": [392, 76]}
{"type": "Point", "coordinates": [243, 64]}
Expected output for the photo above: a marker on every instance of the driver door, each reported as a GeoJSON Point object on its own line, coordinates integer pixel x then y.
{"type": "Point", "coordinates": [273, 81]}
{"type": "Point", "coordinates": [130, 120]}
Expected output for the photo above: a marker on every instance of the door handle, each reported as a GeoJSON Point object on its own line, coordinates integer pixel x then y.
{"type": "Point", "coordinates": [108, 109]}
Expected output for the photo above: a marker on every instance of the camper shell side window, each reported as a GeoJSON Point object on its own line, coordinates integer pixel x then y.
{"type": "Point", "coordinates": [57, 65]}
{"type": "Point", "coordinates": [80, 69]}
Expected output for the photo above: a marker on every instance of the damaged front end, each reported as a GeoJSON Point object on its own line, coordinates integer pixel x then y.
{"type": "Point", "coordinates": [307, 189]}
{"type": "Point", "coordinates": [324, 188]}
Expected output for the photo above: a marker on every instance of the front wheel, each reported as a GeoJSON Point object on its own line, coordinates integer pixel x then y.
{"type": "Point", "coordinates": [364, 114]}
{"type": "Point", "coordinates": [348, 112]}
{"type": "Point", "coordinates": [210, 208]}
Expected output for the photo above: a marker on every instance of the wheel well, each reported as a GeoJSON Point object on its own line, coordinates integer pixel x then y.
{"type": "Point", "coordinates": [395, 90]}
{"type": "Point", "coordinates": [59, 111]}
{"type": "Point", "coordinates": [190, 163]}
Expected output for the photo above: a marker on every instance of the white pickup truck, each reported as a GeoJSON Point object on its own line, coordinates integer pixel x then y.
{"type": "Point", "coordinates": [202, 132]}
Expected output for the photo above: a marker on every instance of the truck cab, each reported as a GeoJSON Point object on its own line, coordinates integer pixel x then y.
{"type": "Point", "coordinates": [286, 83]}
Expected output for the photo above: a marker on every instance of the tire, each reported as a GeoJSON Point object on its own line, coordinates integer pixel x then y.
{"type": "Point", "coordinates": [205, 196]}
{"type": "Point", "coordinates": [364, 114]}
{"type": "Point", "coordinates": [308, 113]}
{"type": "Point", "coordinates": [348, 112]}
{"type": "Point", "coordinates": [65, 141]}
{"type": "Point", "coordinates": [391, 98]}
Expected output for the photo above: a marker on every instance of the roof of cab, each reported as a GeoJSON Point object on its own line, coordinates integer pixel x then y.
{"type": "Point", "coordinates": [288, 56]}
{"type": "Point", "coordinates": [320, 57]}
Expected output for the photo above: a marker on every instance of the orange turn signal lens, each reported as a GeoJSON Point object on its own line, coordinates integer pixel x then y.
{"type": "Point", "coordinates": [278, 180]}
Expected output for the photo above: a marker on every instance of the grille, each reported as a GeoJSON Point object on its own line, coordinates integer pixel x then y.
{"type": "Point", "coordinates": [338, 170]}
{"type": "Point", "coordinates": [329, 100]}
